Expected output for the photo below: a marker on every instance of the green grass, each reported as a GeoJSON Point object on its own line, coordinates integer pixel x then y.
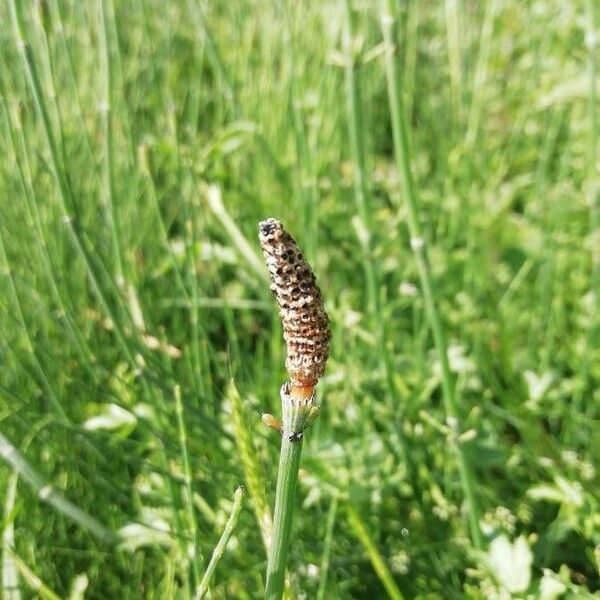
{"type": "Point", "coordinates": [141, 142]}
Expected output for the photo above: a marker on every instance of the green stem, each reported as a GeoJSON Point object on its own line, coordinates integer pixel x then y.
{"type": "Point", "coordinates": [220, 547]}
{"type": "Point", "coordinates": [187, 472]}
{"type": "Point", "coordinates": [593, 192]}
{"type": "Point", "coordinates": [108, 166]}
{"type": "Point", "coordinates": [46, 493]}
{"type": "Point", "coordinates": [593, 157]}
{"type": "Point", "coordinates": [356, 131]}
{"type": "Point", "coordinates": [285, 498]}
{"type": "Point", "coordinates": [418, 245]}
{"type": "Point", "coordinates": [454, 54]}
{"type": "Point", "coordinates": [360, 531]}
{"type": "Point", "coordinates": [299, 411]}
{"type": "Point", "coordinates": [481, 73]}
{"type": "Point", "coordinates": [327, 549]}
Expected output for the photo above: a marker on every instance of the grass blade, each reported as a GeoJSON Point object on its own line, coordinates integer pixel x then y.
{"type": "Point", "coordinates": [32, 580]}
{"type": "Point", "coordinates": [10, 575]}
{"type": "Point", "coordinates": [419, 247]}
{"type": "Point", "coordinates": [189, 494]}
{"type": "Point", "coordinates": [327, 549]}
{"type": "Point", "coordinates": [220, 547]}
{"type": "Point", "coordinates": [360, 531]}
{"type": "Point", "coordinates": [46, 493]}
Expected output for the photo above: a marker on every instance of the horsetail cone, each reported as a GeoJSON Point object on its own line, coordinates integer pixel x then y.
{"type": "Point", "coordinates": [305, 323]}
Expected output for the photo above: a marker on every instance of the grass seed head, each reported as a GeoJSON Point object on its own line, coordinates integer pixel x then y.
{"type": "Point", "coordinates": [305, 323]}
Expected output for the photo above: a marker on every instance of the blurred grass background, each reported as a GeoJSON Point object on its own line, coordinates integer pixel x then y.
{"type": "Point", "coordinates": [141, 143]}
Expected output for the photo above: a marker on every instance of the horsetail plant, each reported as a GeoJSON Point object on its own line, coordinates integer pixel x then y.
{"type": "Point", "coordinates": [307, 336]}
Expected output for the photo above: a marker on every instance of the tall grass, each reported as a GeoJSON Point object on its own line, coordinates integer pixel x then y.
{"type": "Point", "coordinates": [141, 142]}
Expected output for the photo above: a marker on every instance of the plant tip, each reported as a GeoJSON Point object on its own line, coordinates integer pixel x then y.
{"type": "Point", "coordinates": [305, 322]}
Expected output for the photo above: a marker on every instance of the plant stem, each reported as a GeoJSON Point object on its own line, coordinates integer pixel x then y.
{"type": "Point", "coordinates": [108, 163]}
{"type": "Point", "coordinates": [285, 497]}
{"type": "Point", "coordinates": [591, 39]}
{"type": "Point", "coordinates": [454, 54]}
{"type": "Point", "coordinates": [327, 549]}
{"type": "Point", "coordinates": [46, 493]}
{"type": "Point", "coordinates": [418, 245]}
{"type": "Point", "coordinates": [593, 193]}
{"type": "Point", "coordinates": [357, 146]}
{"type": "Point", "coordinates": [481, 73]}
{"type": "Point", "coordinates": [299, 412]}
{"type": "Point", "coordinates": [362, 195]}
{"type": "Point", "coordinates": [220, 547]}
{"type": "Point", "coordinates": [189, 493]}
{"type": "Point", "coordinates": [360, 531]}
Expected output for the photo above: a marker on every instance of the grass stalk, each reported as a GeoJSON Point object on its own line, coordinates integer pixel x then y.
{"type": "Point", "coordinates": [61, 415]}
{"type": "Point", "coordinates": [32, 580]}
{"type": "Point", "coordinates": [362, 193]}
{"type": "Point", "coordinates": [222, 544]}
{"type": "Point", "coordinates": [307, 179]}
{"type": "Point", "coordinates": [187, 473]}
{"type": "Point", "coordinates": [592, 43]}
{"type": "Point", "coordinates": [593, 193]}
{"type": "Point", "coordinates": [10, 575]}
{"type": "Point", "coordinates": [419, 248]}
{"type": "Point", "coordinates": [454, 54]}
{"type": "Point", "coordinates": [360, 531]}
{"type": "Point", "coordinates": [108, 167]}
{"type": "Point", "coordinates": [357, 146]}
{"type": "Point", "coordinates": [481, 72]}
{"type": "Point", "coordinates": [67, 201]}
{"type": "Point", "coordinates": [17, 140]}
{"type": "Point", "coordinates": [331, 515]}
{"type": "Point", "coordinates": [46, 493]}
{"type": "Point", "coordinates": [410, 62]}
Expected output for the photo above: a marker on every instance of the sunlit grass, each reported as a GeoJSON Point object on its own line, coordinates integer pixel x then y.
{"type": "Point", "coordinates": [141, 142]}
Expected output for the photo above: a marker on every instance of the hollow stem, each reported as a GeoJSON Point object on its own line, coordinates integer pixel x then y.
{"type": "Point", "coordinates": [298, 412]}
{"type": "Point", "coordinates": [285, 497]}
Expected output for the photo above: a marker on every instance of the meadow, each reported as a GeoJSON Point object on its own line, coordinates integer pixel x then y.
{"type": "Point", "coordinates": [438, 164]}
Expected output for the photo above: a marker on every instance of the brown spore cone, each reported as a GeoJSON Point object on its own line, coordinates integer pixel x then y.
{"type": "Point", "coordinates": [305, 323]}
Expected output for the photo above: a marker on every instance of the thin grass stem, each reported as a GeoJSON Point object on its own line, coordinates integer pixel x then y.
{"type": "Point", "coordinates": [454, 54]}
{"type": "Point", "coordinates": [592, 43]}
{"type": "Point", "coordinates": [362, 194]}
{"type": "Point", "coordinates": [46, 493]}
{"type": "Point", "coordinates": [327, 542]}
{"type": "Point", "coordinates": [31, 347]}
{"type": "Point", "coordinates": [106, 110]}
{"type": "Point", "coordinates": [10, 575]}
{"type": "Point", "coordinates": [189, 493]}
{"type": "Point", "coordinates": [360, 531]}
{"type": "Point", "coordinates": [481, 72]}
{"type": "Point", "coordinates": [419, 248]}
{"type": "Point", "coordinates": [65, 196]}
{"type": "Point", "coordinates": [593, 191]}
{"type": "Point", "coordinates": [222, 545]}
{"type": "Point", "coordinates": [32, 580]}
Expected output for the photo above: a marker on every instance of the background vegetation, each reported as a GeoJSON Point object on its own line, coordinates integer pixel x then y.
{"type": "Point", "coordinates": [141, 143]}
